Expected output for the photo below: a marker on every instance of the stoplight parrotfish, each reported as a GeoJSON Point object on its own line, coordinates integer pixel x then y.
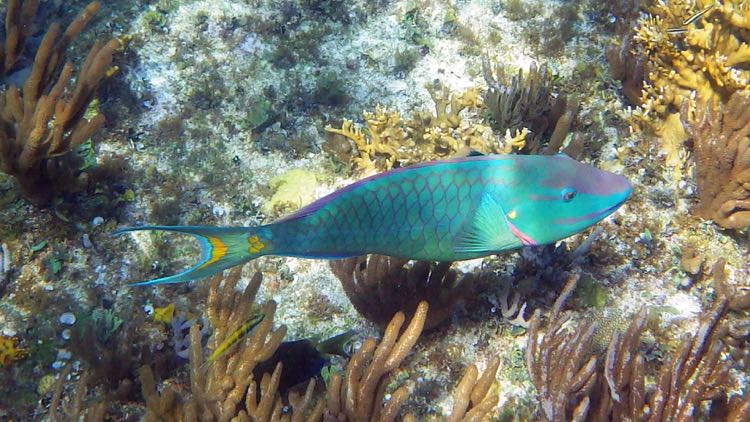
{"type": "Point", "coordinates": [448, 210]}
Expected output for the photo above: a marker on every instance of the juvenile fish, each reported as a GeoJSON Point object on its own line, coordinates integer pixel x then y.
{"type": "Point", "coordinates": [446, 210]}
{"type": "Point", "coordinates": [234, 338]}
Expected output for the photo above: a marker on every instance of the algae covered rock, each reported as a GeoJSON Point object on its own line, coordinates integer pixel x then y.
{"type": "Point", "coordinates": [292, 190]}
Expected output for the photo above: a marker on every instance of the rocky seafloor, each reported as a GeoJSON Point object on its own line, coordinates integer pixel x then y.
{"type": "Point", "coordinates": [214, 101]}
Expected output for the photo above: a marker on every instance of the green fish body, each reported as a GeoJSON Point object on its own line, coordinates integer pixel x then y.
{"type": "Point", "coordinates": [438, 211]}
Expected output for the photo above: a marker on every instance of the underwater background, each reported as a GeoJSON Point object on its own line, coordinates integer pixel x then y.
{"type": "Point", "coordinates": [237, 112]}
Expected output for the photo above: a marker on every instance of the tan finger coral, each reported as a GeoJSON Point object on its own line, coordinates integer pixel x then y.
{"type": "Point", "coordinates": [41, 123]}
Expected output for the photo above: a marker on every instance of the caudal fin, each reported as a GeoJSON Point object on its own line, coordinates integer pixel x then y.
{"type": "Point", "coordinates": [221, 248]}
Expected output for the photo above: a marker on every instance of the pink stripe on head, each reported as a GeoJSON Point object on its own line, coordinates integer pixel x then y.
{"type": "Point", "coordinates": [523, 237]}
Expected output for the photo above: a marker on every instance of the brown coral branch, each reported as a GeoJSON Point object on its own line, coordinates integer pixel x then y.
{"type": "Point", "coordinates": [359, 395]}
{"type": "Point", "coordinates": [558, 365]}
{"type": "Point", "coordinates": [75, 408]}
{"type": "Point", "coordinates": [474, 396]}
{"type": "Point", "coordinates": [379, 286]}
{"type": "Point", "coordinates": [721, 142]}
{"type": "Point", "coordinates": [43, 122]}
{"type": "Point", "coordinates": [18, 26]}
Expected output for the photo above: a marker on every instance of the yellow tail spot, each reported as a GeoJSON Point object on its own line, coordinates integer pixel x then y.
{"type": "Point", "coordinates": [218, 250]}
{"type": "Point", "coordinates": [512, 215]}
{"type": "Point", "coordinates": [256, 245]}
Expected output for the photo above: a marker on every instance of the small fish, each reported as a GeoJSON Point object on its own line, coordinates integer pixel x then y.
{"type": "Point", "coordinates": [682, 28]}
{"type": "Point", "coordinates": [303, 359]}
{"type": "Point", "coordinates": [234, 338]}
{"type": "Point", "coordinates": [449, 210]}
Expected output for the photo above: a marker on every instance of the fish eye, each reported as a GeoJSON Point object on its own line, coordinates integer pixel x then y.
{"type": "Point", "coordinates": [568, 194]}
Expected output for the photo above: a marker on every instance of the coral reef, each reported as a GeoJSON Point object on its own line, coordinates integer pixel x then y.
{"type": "Point", "coordinates": [528, 102]}
{"type": "Point", "coordinates": [474, 396]}
{"type": "Point", "coordinates": [358, 395]}
{"type": "Point", "coordinates": [626, 60]}
{"type": "Point", "coordinates": [392, 142]}
{"type": "Point", "coordinates": [720, 136]}
{"type": "Point", "coordinates": [42, 123]}
{"type": "Point", "coordinates": [379, 286]}
{"type": "Point", "coordinates": [573, 384]}
{"type": "Point", "coordinates": [75, 407]}
{"type": "Point", "coordinates": [225, 388]}
{"type": "Point", "coordinates": [696, 52]}
{"type": "Point", "coordinates": [558, 365]}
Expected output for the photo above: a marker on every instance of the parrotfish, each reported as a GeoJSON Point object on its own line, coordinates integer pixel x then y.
{"type": "Point", "coordinates": [449, 210]}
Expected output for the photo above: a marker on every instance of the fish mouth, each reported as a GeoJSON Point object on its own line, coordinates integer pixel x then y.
{"type": "Point", "coordinates": [596, 215]}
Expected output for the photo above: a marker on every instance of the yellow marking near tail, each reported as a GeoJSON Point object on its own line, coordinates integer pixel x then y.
{"type": "Point", "coordinates": [256, 245]}
{"type": "Point", "coordinates": [218, 250]}
{"type": "Point", "coordinates": [512, 215]}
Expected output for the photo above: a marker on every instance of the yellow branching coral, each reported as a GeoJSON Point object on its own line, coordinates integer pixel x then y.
{"type": "Point", "coordinates": [390, 141]}
{"type": "Point", "coordinates": [701, 61]}
{"type": "Point", "coordinates": [10, 352]}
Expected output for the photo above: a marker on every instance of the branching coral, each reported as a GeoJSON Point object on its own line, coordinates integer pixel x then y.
{"type": "Point", "coordinates": [379, 286]}
{"type": "Point", "coordinates": [720, 136]}
{"type": "Point", "coordinates": [626, 61]}
{"type": "Point", "coordinates": [390, 141]}
{"type": "Point", "coordinates": [18, 27]}
{"type": "Point", "coordinates": [358, 395]}
{"type": "Point", "coordinates": [528, 102]}
{"type": "Point", "coordinates": [474, 396]}
{"type": "Point", "coordinates": [9, 351]}
{"type": "Point", "coordinates": [44, 121]}
{"type": "Point", "coordinates": [559, 365]}
{"type": "Point", "coordinates": [225, 388]}
{"type": "Point", "coordinates": [75, 408]}
{"type": "Point", "coordinates": [700, 61]}
{"type": "Point", "coordinates": [572, 386]}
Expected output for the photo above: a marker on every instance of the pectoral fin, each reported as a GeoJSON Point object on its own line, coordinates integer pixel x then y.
{"type": "Point", "coordinates": [487, 230]}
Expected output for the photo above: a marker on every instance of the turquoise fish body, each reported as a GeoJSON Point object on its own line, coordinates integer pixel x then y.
{"type": "Point", "coordinates": [439, 211]}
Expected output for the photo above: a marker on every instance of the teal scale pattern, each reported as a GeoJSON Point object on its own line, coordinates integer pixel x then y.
{"type": "Point", "coordinates": [416, 213]}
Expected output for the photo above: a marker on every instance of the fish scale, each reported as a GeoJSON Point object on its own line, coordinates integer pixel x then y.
{"type": "Point", "coordinates": [388, 216]}
{"type": "Point", "coordinates": [439, 211]}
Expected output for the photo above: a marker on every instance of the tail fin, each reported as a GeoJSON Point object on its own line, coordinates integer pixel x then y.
{"type": "Point", "coordinates": [221, 248]}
